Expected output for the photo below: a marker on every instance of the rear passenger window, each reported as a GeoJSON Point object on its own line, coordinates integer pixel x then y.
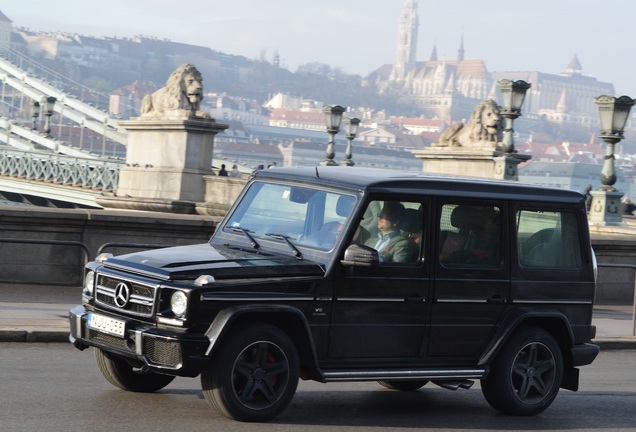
{"type": "Point", "coordinates": [548, 239]}
{"type": "Point", "coordinates": [470, 235]}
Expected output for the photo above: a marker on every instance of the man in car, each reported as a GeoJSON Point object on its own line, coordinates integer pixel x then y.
{"type": "Point", "coordinates": [391, 245]}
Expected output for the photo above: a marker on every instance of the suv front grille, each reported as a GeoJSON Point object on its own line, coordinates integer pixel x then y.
{"type": "Point", "coordinates": [162, 352]}
{"type": "Point", "coordinates": [109, 341]}
{"type": "Point", "coordinates": [125, 296]}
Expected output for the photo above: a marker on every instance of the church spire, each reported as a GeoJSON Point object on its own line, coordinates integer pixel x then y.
{"type": "Point", "coordinates": [433, 54]}
{"type": "Point", "coordinates": [407, 41]}
{"type": "Point", "coordinates": [460, 51]}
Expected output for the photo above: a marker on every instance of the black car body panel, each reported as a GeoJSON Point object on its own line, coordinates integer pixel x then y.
{"type": "Point", "coordinates": [289, 254]}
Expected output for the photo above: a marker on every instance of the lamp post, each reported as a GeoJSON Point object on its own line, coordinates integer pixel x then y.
{"type": "Point", "coordinates": [351, 130]}
{"type": "Point", "coordinates": [613, 114]}
{"type": "Point", "coordinates": [49, 105]}
{"type": "Point", "coordinates": [35, 113]}
{"type": "Point", "coordinates": [512, 95]}
{"type": "Point", "coordinates": [333, 117]}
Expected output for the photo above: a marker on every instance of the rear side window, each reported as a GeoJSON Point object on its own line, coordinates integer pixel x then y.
{"type": "Point", "coordinates": [470, 235]}
{"type": "Point", "coordinates": [548, 239]}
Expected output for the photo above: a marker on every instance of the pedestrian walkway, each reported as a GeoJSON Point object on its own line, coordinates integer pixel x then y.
{"type": "Point", "coordinates": [40, 314]}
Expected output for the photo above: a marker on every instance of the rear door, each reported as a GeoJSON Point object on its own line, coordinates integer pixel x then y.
{"type": "Point", "coordinates": [472, 277]}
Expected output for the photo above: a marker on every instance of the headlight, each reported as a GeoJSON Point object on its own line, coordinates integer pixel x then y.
{"type": "Point", "coordinates": [89, 282]}
{"type": "Point", "coordinates": [179, 303]}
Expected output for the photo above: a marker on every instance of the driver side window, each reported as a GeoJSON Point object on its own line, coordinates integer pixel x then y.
{"type": "Point", "coordinates": [394, 229]}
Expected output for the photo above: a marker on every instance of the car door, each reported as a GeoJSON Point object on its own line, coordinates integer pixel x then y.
{"type": "Point", "coordinates": [472, 278]}
{"type": "Point", "coordinates": [379, 311]}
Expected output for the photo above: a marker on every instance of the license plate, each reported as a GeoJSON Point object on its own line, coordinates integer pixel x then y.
{"type": "Point", "coordinates": [106, 324]}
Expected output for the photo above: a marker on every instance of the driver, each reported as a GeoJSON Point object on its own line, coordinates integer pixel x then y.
{"type": "Point", "coordinates": [391, 245]}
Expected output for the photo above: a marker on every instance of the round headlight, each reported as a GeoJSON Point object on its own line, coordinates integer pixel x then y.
{"type": "Point", "coordinates": [89, 282]}
{"type": "Point", "coordinates": [179, 303]}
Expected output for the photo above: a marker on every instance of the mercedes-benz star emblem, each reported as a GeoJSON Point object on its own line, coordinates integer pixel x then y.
{"type": "Point", "coordinates": [122, 294]}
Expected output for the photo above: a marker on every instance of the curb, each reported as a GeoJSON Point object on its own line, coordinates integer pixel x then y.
{"type": "Point", "coordinates": [33, 336]}
{"type": "Point", "coordinates": [616, 344]}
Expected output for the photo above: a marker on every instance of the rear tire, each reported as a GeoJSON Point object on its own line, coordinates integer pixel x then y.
{"type": "Point", "coordinates": [404, 385]}
{"type": "Point", "coordinates": [526, 376]}
{"type": "Point", "coordinates": [254, 374]}
{"type": "Point", "coordinates": [120, 373]}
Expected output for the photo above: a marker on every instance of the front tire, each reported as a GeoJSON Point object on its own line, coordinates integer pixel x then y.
{"type": "Point", "coordinates": [254, 374]}
{"type": "Point", "coordinates": [526, 376]}
{"type": "Point", "coordinates": [122, 374]}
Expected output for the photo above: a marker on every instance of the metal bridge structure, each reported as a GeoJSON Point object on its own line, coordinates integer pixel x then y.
{"type": "Point", "coordinates": [37, 167]}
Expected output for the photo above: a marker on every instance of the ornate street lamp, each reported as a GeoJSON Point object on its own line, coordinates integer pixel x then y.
{"type": "Point", "coordinates": [613, 114]}
{"type": "Point", "coordinates": [35, 113]}
{"type": "Point", "coordinates": [333, 117]}
{"type": "Point", "coordinates": [512, 95]}
{"type": "Point", "coordinates": [351, 130]}
{"type": "Point", "coordinates": [49, 105]}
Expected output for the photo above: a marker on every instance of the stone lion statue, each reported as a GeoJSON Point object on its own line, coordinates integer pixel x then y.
{"type": "Point", "coordinates": [483, 129]}
{"type": "Point", "coordinates": [180, 97]}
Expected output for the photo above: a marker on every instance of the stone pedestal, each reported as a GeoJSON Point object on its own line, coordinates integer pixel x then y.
{"type": "Point", "coordinates": [482, 162]}
{"type": "Point", "coordinates": [220, 194]}
{"type": "Point", "coordinates": [166, 160]}
{"type": "Point", "coordinates": [606, 209]}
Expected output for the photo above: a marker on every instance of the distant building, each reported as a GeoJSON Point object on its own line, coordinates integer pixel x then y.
{"type": "Point", "coordinates": [125, 102]}
{"type": "Point", "coordinates": [6, 28]}
{"type": "Point", "coordinates": [446, 89]}
{"type": "Point", "coordinates": [568, 175]}
{"type": "Point", "coordinates": [224, 108]}
{"type": "Point", "coordinates": [449, 89]}
{"type": "Point", "coordinates": [564, 99]}
{"type": "Point", "coordinates": [284, 101]}
{"type": "Point", "coordinates": [293, 119]}
{"type": "Point", "coordinates": [419, 125]}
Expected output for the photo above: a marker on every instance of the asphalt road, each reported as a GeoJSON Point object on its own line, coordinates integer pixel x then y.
{"type": "Point", "coordinates": [54, 387]}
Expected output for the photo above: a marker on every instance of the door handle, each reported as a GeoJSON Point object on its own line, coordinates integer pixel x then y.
{"type": "Point", "coordinates": [497, 299]}
{"type": "Point", "coordinates": [415, 299]}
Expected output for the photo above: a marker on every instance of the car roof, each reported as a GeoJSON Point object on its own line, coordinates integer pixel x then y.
{"type": "Point", "coordinates": [370, 179]}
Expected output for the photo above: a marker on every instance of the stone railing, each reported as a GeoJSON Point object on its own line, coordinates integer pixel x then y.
{"type": "Point", "coordinates": [220, 194]}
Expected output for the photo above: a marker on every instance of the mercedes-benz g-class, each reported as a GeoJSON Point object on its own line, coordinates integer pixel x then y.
{"type": "Point", "coordinates": [353, 274]}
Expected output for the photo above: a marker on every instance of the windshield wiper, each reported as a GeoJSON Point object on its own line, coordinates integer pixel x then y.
{"type": "Point", "coordinates": [247, 234]}
{"type": "Point", "coordinates": [295, 251]}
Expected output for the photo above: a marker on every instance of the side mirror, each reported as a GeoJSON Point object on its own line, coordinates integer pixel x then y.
{"type": "Point", "coordinates": [358, 255]}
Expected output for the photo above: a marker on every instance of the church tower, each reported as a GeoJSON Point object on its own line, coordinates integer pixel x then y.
{"type": "Point", "coordinates": [407, 42]}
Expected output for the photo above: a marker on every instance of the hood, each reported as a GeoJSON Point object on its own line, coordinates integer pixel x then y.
{"type": "Point", "coordinates": [189, 262]}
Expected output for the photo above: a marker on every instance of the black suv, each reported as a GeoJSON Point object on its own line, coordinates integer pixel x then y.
{"type": "Point", "coordinates": [352, 274]}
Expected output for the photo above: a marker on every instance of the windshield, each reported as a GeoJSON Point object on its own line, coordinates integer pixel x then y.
{"type": "Point", "coordinates": [291, 214]}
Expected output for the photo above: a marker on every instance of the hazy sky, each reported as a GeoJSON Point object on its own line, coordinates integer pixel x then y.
{"type": "Point", "coordinates": [360, 35]}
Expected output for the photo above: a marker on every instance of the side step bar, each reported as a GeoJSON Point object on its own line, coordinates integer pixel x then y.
{"type": "Point", "coordinates": [411, 374]}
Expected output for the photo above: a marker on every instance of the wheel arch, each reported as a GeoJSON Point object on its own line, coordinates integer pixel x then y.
{"type": "Point", "coordinates": [553, 322]}
{"type": "Point", "coordinates": [287, 318]}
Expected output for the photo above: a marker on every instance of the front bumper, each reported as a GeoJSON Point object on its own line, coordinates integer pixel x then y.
{"type": "Point", "coordinates": [162, 351]}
